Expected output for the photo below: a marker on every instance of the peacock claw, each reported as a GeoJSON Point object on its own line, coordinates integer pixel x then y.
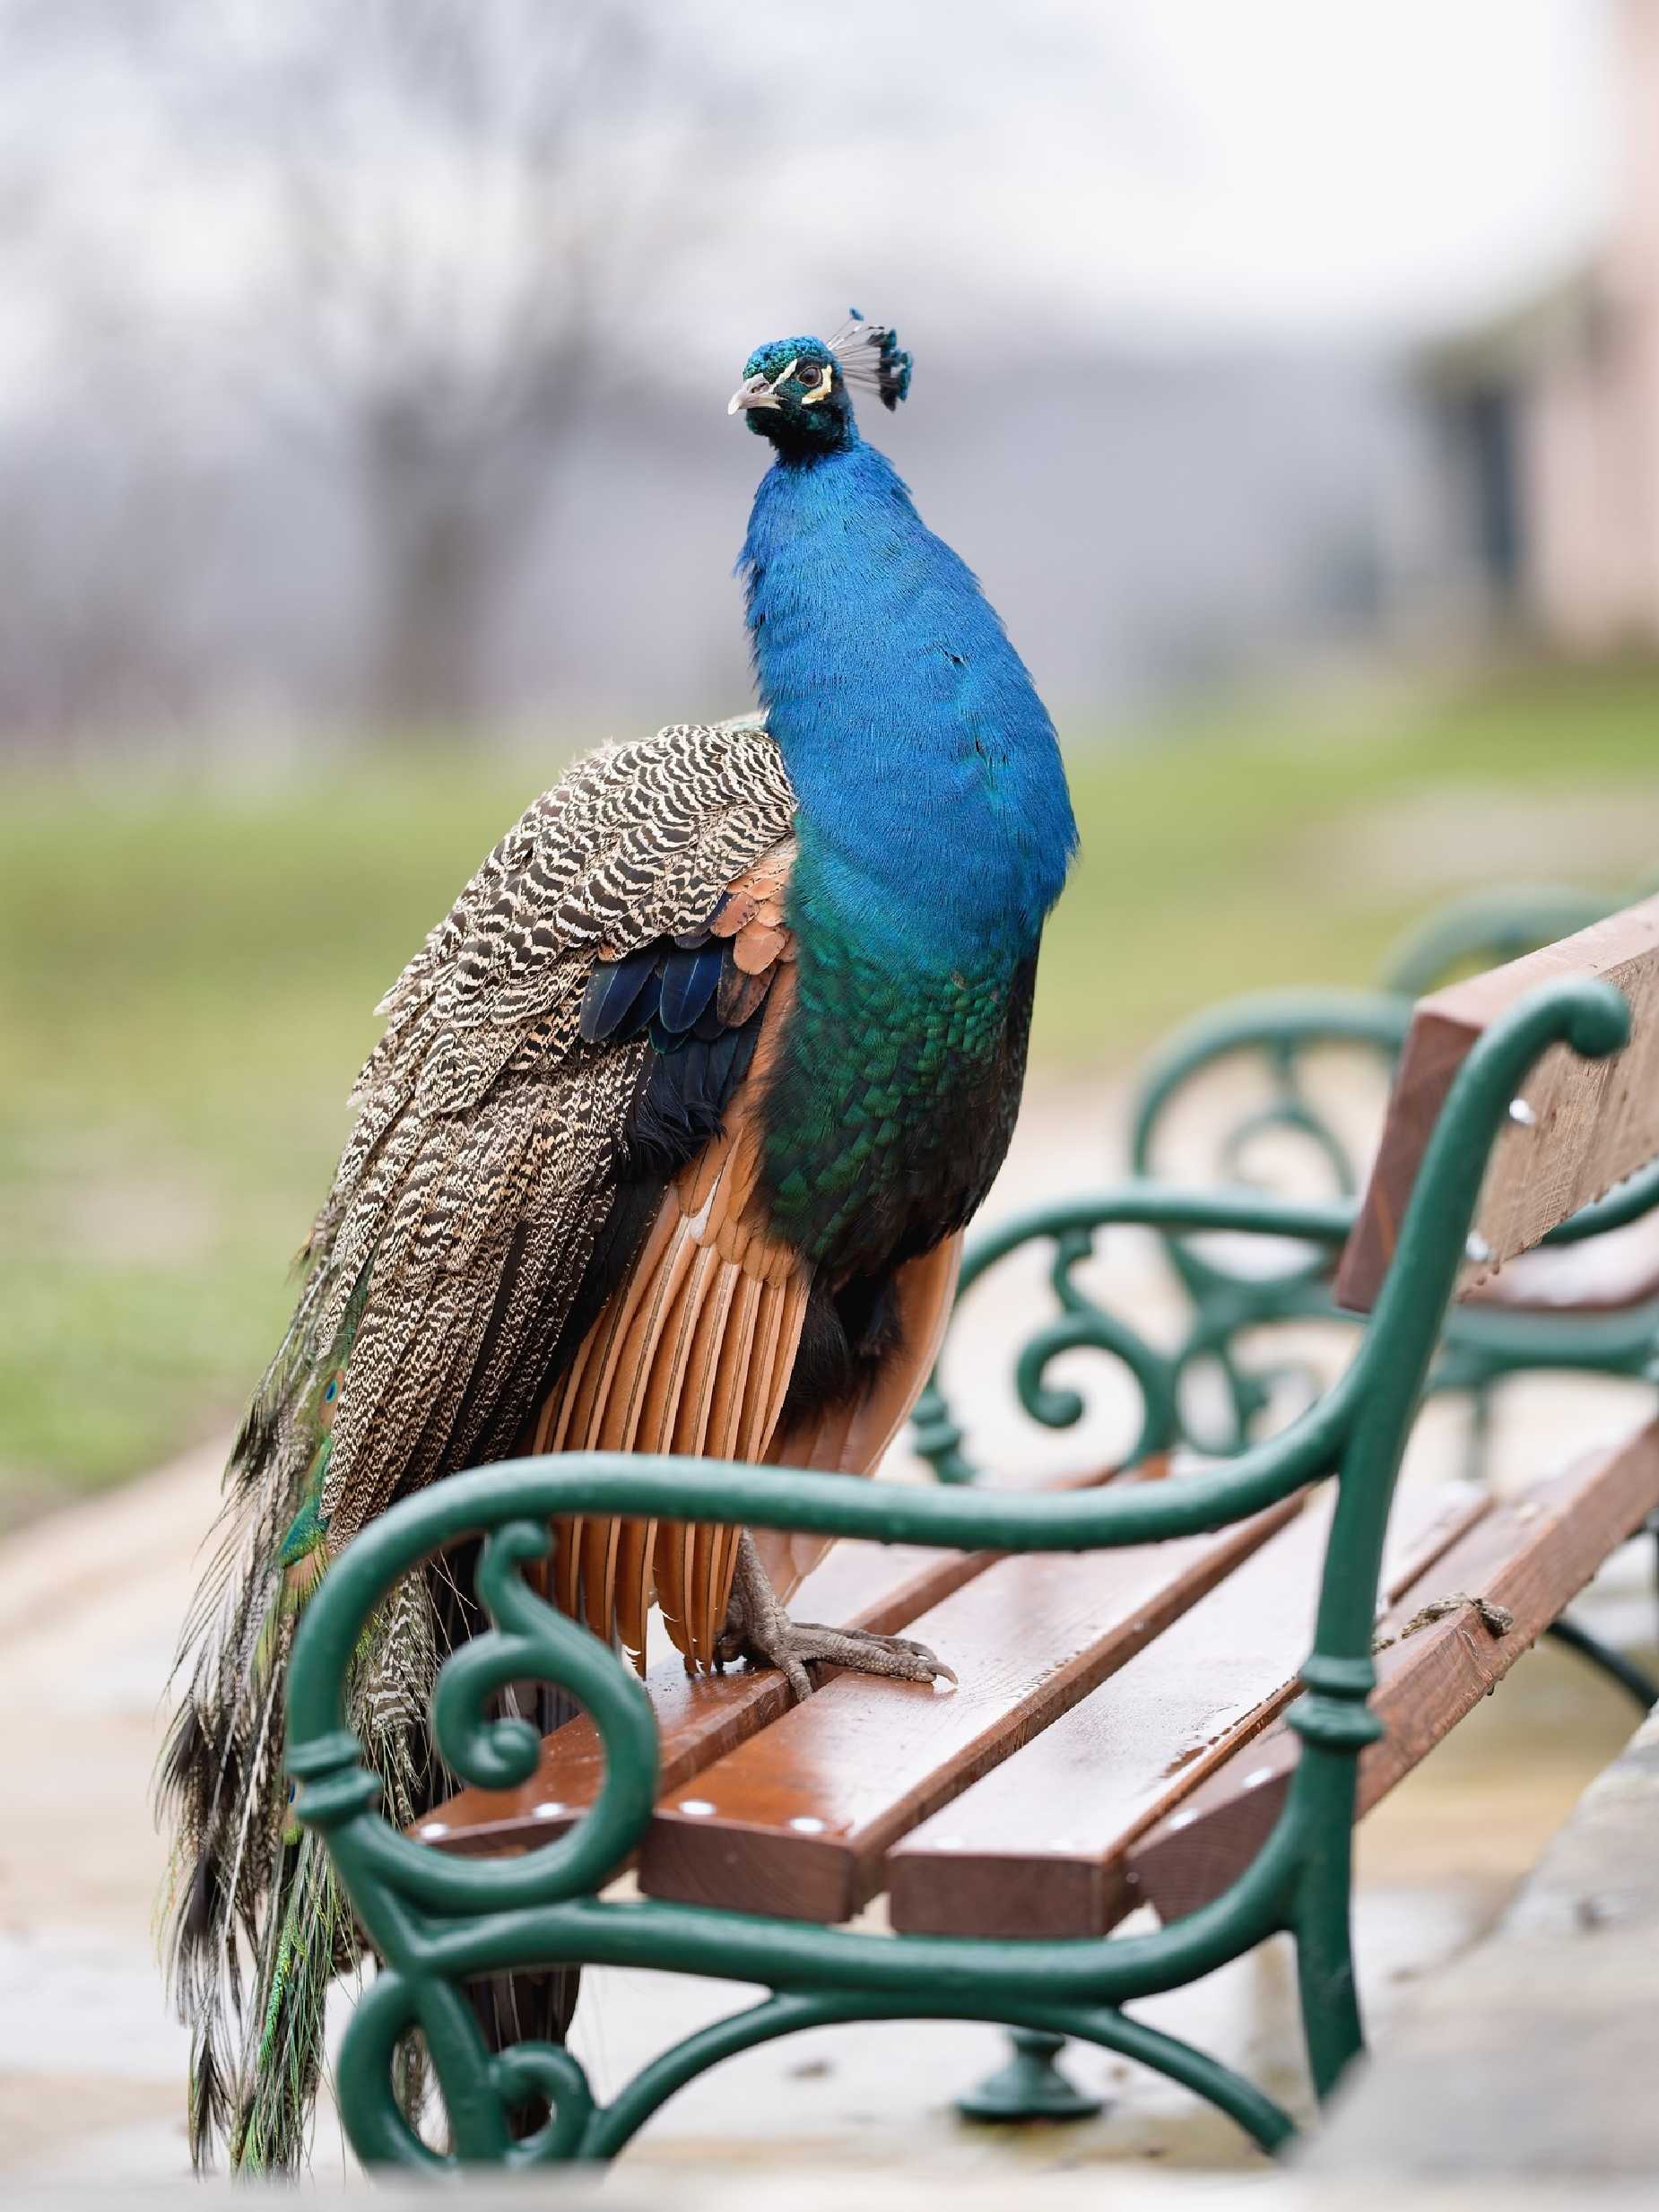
{"type": "Point", "coordinates": [758, 1628]}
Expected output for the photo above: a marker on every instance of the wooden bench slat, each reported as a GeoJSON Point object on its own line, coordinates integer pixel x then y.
{"type": "Point", "coordinates": [1613, 1273]}
{"type": "Point", "coordinates": [1591, 1124]}
{"type": "Point", "coordinates": [882, 1587]}
{"type": "Point", "coordinates": [796, 1821]}
{"type": "Point", "coordinates": [1531, 1554]}
{"type": "Point", "coordinates": [700, 1717]}
{"type": "Point", "coordinates": [1040, 1847]}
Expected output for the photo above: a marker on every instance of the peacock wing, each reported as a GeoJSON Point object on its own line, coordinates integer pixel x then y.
{"type": "Point", "coordinates": [695, 1350]}
{"type": "Point", "coordinates": [696, 1355]}
{"type": "Point", "coordinates": [555, 1056]}
{"type": "Point", "coordinates": [561, 1046]}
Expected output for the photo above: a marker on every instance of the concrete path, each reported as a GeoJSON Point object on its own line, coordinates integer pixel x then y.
{"type": "Point", "coordinates": [91, 2065]}
{"type": "Point", "coordinates": [89, 1604]}
{"type": "Point", "coordinates": [1537, 2052]}
{"type": "Point", "coordinates": [824, 2189]}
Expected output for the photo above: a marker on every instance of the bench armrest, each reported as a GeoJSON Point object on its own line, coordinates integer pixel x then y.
{"type": "Point", "coordinates": [1079, 1322]}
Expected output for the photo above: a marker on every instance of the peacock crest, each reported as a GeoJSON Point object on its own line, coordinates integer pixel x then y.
{"type": "Point", "coordinates": [869, 354]}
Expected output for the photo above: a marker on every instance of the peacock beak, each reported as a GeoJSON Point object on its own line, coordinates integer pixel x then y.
{"type": "Point", "coordinates": [756, 392]}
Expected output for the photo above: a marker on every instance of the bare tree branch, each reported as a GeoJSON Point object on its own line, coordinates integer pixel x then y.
{"type": "Point", "coordinates": [455, 210]}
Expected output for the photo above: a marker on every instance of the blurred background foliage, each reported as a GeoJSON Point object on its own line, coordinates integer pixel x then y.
{"type": "Point", "coordinates": [363, 457]}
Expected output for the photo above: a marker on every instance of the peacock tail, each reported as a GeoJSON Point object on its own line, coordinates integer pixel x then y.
{"type": "Point", "coordinates": [310, 1936]}
{"type": "Point", "coordinates": [257, 1920]}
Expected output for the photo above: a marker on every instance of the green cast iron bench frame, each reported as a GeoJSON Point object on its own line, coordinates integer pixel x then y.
{"type": "Point", "coordinates": [435, 1921]}
{"type": "Point", "coordinates": [1481, 1345]}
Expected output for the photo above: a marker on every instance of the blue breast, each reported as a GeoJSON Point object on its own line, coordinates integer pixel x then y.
{"type": "Point", "coordinates": [936, 824]}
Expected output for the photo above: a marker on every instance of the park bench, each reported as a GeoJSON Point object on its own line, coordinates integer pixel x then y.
{"type": "Point", "coordinates": [1141, 1720]}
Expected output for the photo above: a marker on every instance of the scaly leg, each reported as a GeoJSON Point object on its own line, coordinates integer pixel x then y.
{"type": "Point", "coordinates": [758, 1627]}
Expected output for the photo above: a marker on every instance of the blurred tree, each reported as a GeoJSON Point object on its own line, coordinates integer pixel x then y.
{"type": "Point", "coordinates": [411, 229]}
{"type": "Point", "coordinates": [470, 199]}
{"type": "Point", "coordinates": [93, 634]}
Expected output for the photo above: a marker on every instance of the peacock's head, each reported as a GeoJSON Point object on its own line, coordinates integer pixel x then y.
{"type": "Point", "coordinates": [795, 391]}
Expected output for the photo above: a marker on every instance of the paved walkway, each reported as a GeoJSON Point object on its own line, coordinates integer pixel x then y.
{"type": "Point", "coordinates": [91, 2065]}
{"type": "Point", "coordinates": [1538, 2052]}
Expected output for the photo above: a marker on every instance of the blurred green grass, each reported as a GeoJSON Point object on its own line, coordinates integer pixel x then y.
{"type": "Point", "coordinates": [190, 974]}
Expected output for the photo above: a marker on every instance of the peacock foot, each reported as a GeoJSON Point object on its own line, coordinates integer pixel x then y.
{"type": "Point", "coordinates": [758, 1628]}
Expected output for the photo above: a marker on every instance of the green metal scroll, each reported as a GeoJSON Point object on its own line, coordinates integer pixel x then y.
{"type": "Point", "coordinates": [1073, 1228]}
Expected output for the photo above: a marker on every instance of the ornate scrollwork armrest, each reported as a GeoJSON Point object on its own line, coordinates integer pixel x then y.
{"type": "Point", "coordinates": [1079, 1323]}
{"type": "Point", "coordinates": [528, 1640]}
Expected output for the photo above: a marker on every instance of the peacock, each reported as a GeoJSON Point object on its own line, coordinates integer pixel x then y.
{"type": "Point", "coordinates": [667, 1145]}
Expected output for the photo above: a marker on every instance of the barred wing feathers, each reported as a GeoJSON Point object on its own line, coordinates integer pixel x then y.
{"type": "Point", "coordinates": [494, 1133]}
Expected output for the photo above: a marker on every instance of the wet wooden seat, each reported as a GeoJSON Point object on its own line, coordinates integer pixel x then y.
{"type": "Point", "coordinates": [1118, 1736]}
{"type": "Point", "coordinates": [699, 1717]}
{"type": "Point", "coordinates": [1160, 1790]}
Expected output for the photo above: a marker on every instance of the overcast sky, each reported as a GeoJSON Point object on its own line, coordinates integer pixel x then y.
{"type": "Point", "coordinates": [1138, 169]}
{"type": "Point", "coordinates": [1203, 166]}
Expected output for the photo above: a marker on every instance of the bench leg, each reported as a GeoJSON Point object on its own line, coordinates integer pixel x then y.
{"type": "Point", "coordinates": [1030, 2087]}
{"type": "Point", "coordinates": [1478, 1443]}
{"type": "Point", "coordinates": [1324, 1964]}
{"type": "Point", "coordinates": [1613, 1664]}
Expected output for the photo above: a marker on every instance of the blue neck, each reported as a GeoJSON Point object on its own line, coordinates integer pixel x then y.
{"type": "Point", "coordinates": [935, 818]}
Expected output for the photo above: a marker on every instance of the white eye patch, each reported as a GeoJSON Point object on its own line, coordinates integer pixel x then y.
{"type": "Point", "coordinates": [822, 389]}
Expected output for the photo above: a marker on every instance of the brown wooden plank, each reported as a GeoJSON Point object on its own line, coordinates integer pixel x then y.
{"type": "Point", "coordinates": [1589, 1124]}
{"type": "Point", "coordinates": [1532, 1554]}
{"type": "Point", "coordinates": [1614, 1273]}
{"type": "Point", "coordinates": [700, 1717]}
{"type": "Point", "coordinates": [1040, 1847]}
{"type": "Point", "coordinates": [796, 1822]}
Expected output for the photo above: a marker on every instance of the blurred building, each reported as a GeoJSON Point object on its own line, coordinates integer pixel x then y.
{"type": "Point", "coordinates": [1546, 420]}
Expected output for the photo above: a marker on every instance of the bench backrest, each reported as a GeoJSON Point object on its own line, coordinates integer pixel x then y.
{"type": "Point", "coordinates": [1580, 1127]}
